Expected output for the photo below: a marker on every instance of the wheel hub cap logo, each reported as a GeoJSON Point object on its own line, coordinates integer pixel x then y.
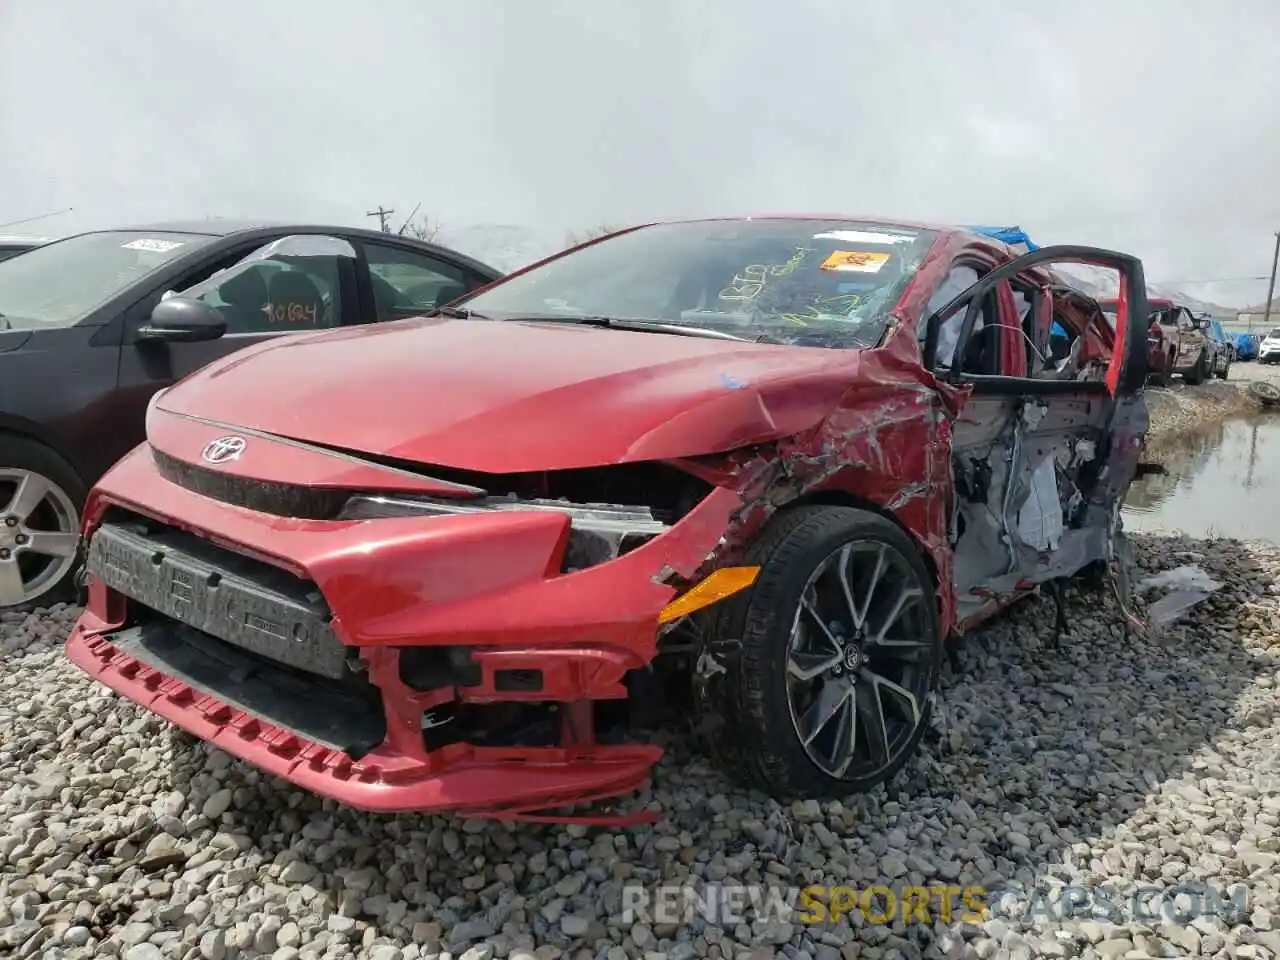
{"type": "Point", "coordinates": [223, 450]}
{"type": "Point", "coordinates": [852, 658]}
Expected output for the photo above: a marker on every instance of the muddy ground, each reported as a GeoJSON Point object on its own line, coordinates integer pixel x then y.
{"type": "Point", "coordinates": [1179, 409]}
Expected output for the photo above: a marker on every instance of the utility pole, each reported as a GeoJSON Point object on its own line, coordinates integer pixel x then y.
{"type": "Point", "coordinates": [1271, 288]}
{"type": "Point", "coordinates": [382, 215]}
{"type": "Point", "coordinates": [43, 216]}
{"type": "Point", "coordinates": [409, 219]}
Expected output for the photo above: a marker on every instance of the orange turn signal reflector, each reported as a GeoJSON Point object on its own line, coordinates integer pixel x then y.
{"type": "Point", "coordinates": [718, 584]}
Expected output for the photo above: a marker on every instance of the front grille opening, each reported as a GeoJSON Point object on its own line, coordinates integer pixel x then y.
{"type": "Point", "coordinates": [542, 723]}
{"type": "Point", "coordinates": [491, 725]}
{"type": "Point", "coordinates": [277, 499]}
{"type": "Point", "coordinates": [159, 571]}
{"type": "Point", "coordinates": [430, 668]}
{"type": "Point", "coordinates": [522, 681]}
{"type": "Point", "coordinates": [667, 491]}
{"type": "Point", "coordinates": [345, 715]}
{"type": "Point", "coordinates": [226, 560]}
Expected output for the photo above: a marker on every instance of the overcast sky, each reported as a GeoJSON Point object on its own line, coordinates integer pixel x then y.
{"type": "Point", "coordinates": [1146, 126]}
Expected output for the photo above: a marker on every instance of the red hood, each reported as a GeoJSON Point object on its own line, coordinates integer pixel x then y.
{"type": "Point", "coordinates": [511, 397]}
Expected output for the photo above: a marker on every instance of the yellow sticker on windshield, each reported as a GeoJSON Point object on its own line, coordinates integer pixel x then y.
{"type": "Point", "coordinates": [855, 261]}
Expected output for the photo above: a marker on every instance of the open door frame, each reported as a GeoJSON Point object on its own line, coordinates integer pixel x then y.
{"type": "Point", "coordinates": [1127, 372]}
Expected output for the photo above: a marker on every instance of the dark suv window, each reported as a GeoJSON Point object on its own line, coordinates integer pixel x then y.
{"type": "Point", "coordinates": [407, 283]}
{"type": "Point", "coordinates": [290, 284]}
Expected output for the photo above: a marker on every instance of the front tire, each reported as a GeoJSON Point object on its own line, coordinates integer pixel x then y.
{"type": "Point", "coordinates": [830, 690]}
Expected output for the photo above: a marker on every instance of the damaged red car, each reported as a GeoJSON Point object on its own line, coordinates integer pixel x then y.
{"type": "Point", "coordinates": [441, 564]}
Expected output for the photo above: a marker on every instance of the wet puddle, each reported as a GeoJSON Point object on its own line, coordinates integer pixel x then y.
{"type": "Point", "coordinates": [1222, 482]}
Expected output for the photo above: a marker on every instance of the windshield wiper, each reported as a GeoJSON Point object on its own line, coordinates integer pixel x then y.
{"type": "Point", "coordinates": [457, 313]}
{"type": "Point", "coordinates": [628, 323]}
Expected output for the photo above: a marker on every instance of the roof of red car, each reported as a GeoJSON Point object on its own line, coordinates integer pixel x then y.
{"type": "Point", "coordinates": [849, 217]}
{"type": "Point", "coordinates": [1151, 301]}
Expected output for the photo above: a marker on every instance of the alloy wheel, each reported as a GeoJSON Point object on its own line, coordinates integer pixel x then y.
{"type": "Point", "coordinates": [39, 535]}
{"type": "Point", "coordinates": [860, 660]}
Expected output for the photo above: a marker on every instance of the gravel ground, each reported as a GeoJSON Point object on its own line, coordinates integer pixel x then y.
{"type": "Point", "coordinates": [1093, 759]}
{"type": "Point", "coordinates": [1179, 408]}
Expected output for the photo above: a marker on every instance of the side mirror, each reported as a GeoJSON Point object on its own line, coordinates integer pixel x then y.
{"type": "Point", "coordinates": [182, 320]}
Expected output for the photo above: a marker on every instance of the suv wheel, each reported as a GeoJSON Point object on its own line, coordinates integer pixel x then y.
{"type": "Point", "coordinates": [830, 690]}
{"type": "Point", "coordinates": [1198, 373]}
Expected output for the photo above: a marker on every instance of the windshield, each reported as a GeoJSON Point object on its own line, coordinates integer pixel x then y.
{"type": "Point", "coordinates": [59, 284]}
{"type": "Point", "coordinates": [811, 282]}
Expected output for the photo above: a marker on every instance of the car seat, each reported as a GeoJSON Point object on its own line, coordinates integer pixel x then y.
{"type": "Point", "coordinates": [296, 302]}
{"type": "Point", "coordinates": [386, 298]}
{"type": "Point", "coordinates": [982, 355]}
{"type": "Point", "coordinates": [244, 296]}
{"type": "Point", "coordinates": [699, 289]}
{"type": "Point", "coordinates": [449, 292]}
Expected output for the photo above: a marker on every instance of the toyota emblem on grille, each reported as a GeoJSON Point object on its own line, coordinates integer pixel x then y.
{"type": "Point", "coordinates": [223, 450]}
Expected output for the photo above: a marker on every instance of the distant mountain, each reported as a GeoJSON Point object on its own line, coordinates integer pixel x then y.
{"type": "Point", "coordinates": [504, 246]}
{"type": "Point", "coordinates": [1262, 308]}
{"type": "Point", "coordinates": [1101, 283]}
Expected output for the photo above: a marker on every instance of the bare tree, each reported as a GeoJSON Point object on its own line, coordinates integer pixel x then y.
{"type": "Point", "coordinates": [423, 228]}
{"type": "Point", "coordinates": [572, 239]}
{"type": "Point", "coordinates": [420, 227]}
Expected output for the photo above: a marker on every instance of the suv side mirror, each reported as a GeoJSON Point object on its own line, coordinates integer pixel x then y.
{"type": "Point", "coordinates": [182, 320]}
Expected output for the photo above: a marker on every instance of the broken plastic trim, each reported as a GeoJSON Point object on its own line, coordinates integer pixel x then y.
{"type": "Point", "coordinates": [600, 531]}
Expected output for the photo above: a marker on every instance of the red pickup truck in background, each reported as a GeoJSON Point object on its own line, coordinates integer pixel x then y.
{"type": "Point", "coordinates": [1176, 344]}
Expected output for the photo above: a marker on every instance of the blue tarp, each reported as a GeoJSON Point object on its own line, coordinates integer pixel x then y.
{"type": "Point", "coordinates": [1016, 236]}
{"type": "Point", "coordinates": [1013, 236]}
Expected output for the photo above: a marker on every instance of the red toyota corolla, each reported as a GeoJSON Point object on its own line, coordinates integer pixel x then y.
{"type": "Point", "coordinates": [438, 564]}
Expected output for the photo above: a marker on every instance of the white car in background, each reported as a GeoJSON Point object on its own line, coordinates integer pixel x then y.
{"type": "Point", "coordinates": [1269, 348]}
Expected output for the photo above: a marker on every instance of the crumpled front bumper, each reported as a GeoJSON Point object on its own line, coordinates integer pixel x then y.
{"type": "Point", "coordinates": [488, 784]}
{"type": "Point", "coordinates": [487, 585]}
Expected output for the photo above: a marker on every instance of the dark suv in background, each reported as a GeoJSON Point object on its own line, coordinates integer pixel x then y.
{"type": "Point", "coordinates": [1220, 345]}
{"type": "Point", "coordinates": [87, 337]}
